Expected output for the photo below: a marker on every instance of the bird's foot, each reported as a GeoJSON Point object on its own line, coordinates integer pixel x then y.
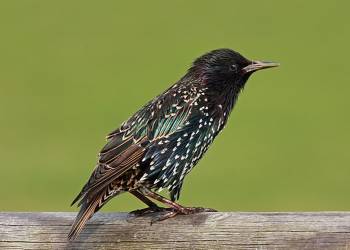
{"type": "Point", "coordinates": [148, 210]}
{"type": "Point", "coordinates": [183, 211]}
{"type": "Point", "coordinates": [194, 210]}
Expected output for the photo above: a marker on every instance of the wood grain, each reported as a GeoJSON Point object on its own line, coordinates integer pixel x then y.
{"type": "Point", "coordinates": [230, 230]}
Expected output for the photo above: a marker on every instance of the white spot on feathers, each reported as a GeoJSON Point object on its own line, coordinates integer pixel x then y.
{"type": "Point", "coordinates": [144, 177]}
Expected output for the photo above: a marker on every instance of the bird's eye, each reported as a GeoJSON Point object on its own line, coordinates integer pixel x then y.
{"type": "Point", "coordinates": [233, 68]}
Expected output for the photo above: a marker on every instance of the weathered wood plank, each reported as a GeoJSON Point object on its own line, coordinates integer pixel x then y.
{"type": "Point", "coordinates": [239, 230]}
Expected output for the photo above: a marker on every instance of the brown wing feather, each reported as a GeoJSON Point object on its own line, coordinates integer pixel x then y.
{"type": "Point", "coordinates": [88, 208]}
{"type": "Point", "coordinates": [125, 162]}
{"type": "Point", "coordinates": [85, 213]}
{"type": "Point", "coordinates": [118, 156]}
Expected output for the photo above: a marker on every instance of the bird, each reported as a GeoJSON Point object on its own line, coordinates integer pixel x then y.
{"type": "Point", "coordinates": [161, 143]}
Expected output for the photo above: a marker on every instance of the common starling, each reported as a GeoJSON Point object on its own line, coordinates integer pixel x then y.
{"type": "Point", "coordinates": [160, 144]}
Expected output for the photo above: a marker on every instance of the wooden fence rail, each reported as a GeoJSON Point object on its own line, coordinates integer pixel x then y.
{"type": "Point", "coordinates": [229, 230]}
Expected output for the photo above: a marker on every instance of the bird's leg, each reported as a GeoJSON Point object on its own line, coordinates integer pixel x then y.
{"type": "Point", "coordinates": [152, 207]}
{"type": "Point", "coordinates": [176, 208]}
{"type": "Point", "coordinates": [143, 198]}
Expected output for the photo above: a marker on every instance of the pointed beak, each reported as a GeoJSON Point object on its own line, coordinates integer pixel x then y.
{"type": "Point", "coordinates": [258, 65]}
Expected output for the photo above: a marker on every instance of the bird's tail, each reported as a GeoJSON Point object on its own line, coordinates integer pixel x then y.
{"type": "Point", "coordinates": [86, 211]}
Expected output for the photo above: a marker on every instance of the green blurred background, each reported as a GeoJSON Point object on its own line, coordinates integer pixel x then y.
{"type": "Point", "coordinates": [72, 71]}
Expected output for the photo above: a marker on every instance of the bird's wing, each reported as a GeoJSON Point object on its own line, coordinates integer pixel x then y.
{"type": "Point", "coordinates": [169, 115]}
{"type": "Point", "coordinates": [126, 147]}
{"type": "Point", "coordinates": [122, 151]}
{"type": "Point", "coordinates": [128, 144]}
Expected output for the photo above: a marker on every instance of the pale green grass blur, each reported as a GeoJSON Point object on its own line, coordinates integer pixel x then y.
{"type": "Point", "coordinates": [72, 71]}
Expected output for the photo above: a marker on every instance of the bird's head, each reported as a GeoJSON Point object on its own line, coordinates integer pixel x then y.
{"type": "Point", "coordinates": [225, 66]}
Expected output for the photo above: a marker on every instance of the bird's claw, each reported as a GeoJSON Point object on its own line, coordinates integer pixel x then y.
{"type": "Point", "coordinates": [183, 211]}
{"type": "Point", "coordinates": [165, 216]}
{"type": "Point", "coordinates": [194, 210]}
